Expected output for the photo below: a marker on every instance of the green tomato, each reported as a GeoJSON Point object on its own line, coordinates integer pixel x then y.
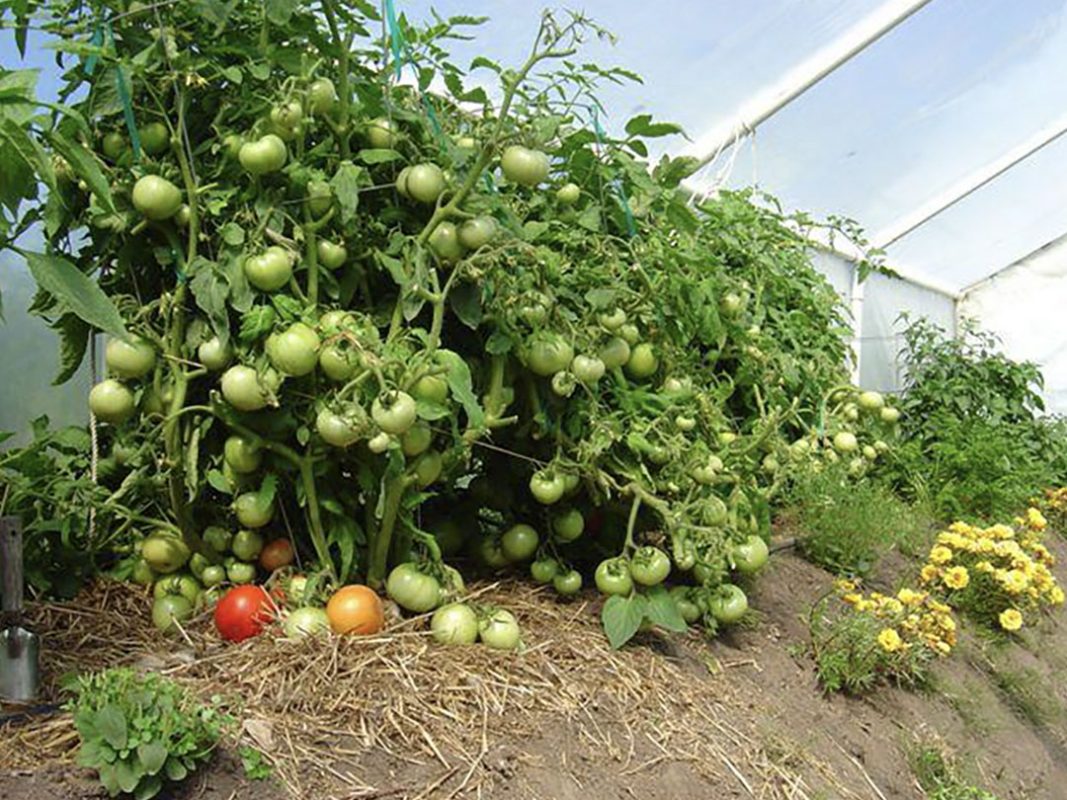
{"type": "Point", "coordinates": [214, 355]}
{"type": "Point", "coordinates": [548, 353]}
{"type": "Point", "coordinates": [156, 197]}
{"type": "Point", "coordinates": [569, 525]}
{"type": "Point", "coordinates": [715, 511]}
{"type": "Point", "coordinates": [240, 572]}
{"type": "Point", "coordinates": [412, 589]}
{"type": "Point", "coordinates": [242, 389]}
{"type": "Point", "coordinates": [845, 442]}
{"type": "Point", "coordinates": [750, 556]}
{"type": "Point", "coordinates": [731, 304]}
{"type": "Point", "coordinates": [130, 359]}
{"type": "Point", "coordinates": [382, 133]}
{"type": "Point", "coordinates": [500, 630]}
{"type": "Point", "coordinates": [613, 576]}
{"type": "Point", "coordinates": [182, 585]}
{"type": "Point", "coordinates": [871, 401]}
{"type": "Point", "coordinates": [431, 389]}
{"type": "Point", "coordinates": [454, 623]}
{"type": "Point", "coordinates": [524, 166]}
{"type": "Point", "coordinates": [650, 566]}
{"type": "Point", "coordinates": [491, 552]}
{"type": "Point", "coordinates": [544, 570]}
{"type": "Point", "coordinates": [166, 611]}
{"type": "Point", "coordinates": [337, 430]}
{"type": "Point", "coordinates": [294, 351]}
{"type": "Point", "coordinates": [615, 353]}
{"type": "Point", "coordinates": [287, 116]}
{"type": "Point", "coordinates": [306, 622]}
{"type": "Point", "coordinates": [247, 545]}
{"type": "Point", "coordinates": [477, 232]}
{"type": "Point", "coordinates": [519, 542]}
{"type": "Point", "coordinates": [319, 197]}
{"type": "Point", "coordinates": [155, 138]}
{"type": "Point", "coordinates": [588, 369]}
{"type": "Point", "coordinates": [197, 564]}
{"type": "Point", "coordinates": [445, 243]}
{"type": "Point", "coordinates": [269, 271]}
{"type": "Point", "coordinates": [630, 333]}
{"type": "Point", "coordinates": [252, 512]}
{"type": "Point", "coordinates": [142, 574]}
{"type": "Point", "coordinates": [322, 96]}
{"type": "Point", "coordinates": [165, 552]}
{"type": "Point", "coordinates": [217, 538]}
{"type": "Point", "coordinates": [213, 575]}
{"type": "Point", "coordinates": [331, 255]}
{"type": "Point", "coordinates": [547, 486]}
{"type": "Point", "coordinates": [568, 194]}
{"type": "Point", "coordinates": [642, 362]}
{"type": "Point", "coordinates": [394, 412]}
{"type": "Point", "coordinates": [110, 401]}
{"type": "Point", "coordinates": [683, 599]}
{"type": "Point", "coordinates": [417, 439]}
{"type": "Point", "coordinates": [466, 143]}
{"type": "Point", "coordinates": [567, 583]}
{"type": "Point", "coordinates": [428, 468]}
{"type": "Point", "coordinates": [114, 146]}
{"type": "Point", "coordinates": [728, 604]}
{"type": "Point", "coordinates": [890, 415]}
{"type": "Point", "coordinates": [339, 362]}
{"type": "Point", "coordinates": [423, 183]}
{"type": "Point", "coordinates": [243, 455]}
{"type": "Point", "coordinates": [264, 156]}
{"type": "Point", "coordinates": [450, 536]}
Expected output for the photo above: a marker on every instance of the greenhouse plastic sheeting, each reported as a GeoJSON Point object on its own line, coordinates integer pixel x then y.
{"type": "Point", "coordinates": [1024, 305]}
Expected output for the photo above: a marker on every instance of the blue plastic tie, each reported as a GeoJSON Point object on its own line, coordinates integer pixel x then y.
{"type": "Point", "coordinates": [598, 131]}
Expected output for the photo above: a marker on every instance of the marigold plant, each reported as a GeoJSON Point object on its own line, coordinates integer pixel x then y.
{"type": "Point", "coordinates": [876, 637]}
{"type": "Point", "coordinates": [1001, 575]}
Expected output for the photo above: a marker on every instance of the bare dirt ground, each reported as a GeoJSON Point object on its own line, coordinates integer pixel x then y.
{"type": "Point", "coordinates": [568, 719]}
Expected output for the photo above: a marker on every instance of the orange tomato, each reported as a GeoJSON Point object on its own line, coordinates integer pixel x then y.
{"type": "Point", "coordinates": [355, 609]}
{"type": "Point", "coordinates": [276, 554]}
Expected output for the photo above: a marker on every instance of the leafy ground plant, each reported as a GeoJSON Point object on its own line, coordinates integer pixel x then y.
{"type": "Point", "coordinates": [845, 525]}
{"type": "Point", "coordinates": [139, 732]}
{"type": "Point", "coordinates": [940, 775]}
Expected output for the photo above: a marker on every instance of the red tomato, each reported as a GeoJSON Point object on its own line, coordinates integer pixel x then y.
{"type": "Point", "coordinates": [243, 612]}
{"type": "Point", "coordinates": [276, 554]}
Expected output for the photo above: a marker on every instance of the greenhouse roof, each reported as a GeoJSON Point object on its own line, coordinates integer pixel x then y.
{"type": "Point", "coordinates": [949, 106]}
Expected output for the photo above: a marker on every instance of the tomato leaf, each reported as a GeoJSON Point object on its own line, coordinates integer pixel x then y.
{"type": "Point", "coordinates": [80, 293]}
{"type": "Point", "coordinates": [256, 322]}
{"type": "Point", "coordinates": [661, 610]}
{"type": "Point", "coordinates": [498, 344]}
{"type": "Point", "coordinates": [85, 166]}
{"type": "Point", "coordinates": [73, 338]}
{"type": "Point", "coordinates": [346, 183]}
{"type": "Point", "coordinates": [378, 156]}
{"type": "Point", "coordinates": [622, 618]}
{"type": "Point", "coordinates": [466, 301]}
{"type": "Point", "coordinates": [279, 12]}
{"type": "Point", "coordinates": [642, 125]}
{"type": "Point", "coordinates": [267, 490]}
{"type": "Point", "coordinates": [459, 382]}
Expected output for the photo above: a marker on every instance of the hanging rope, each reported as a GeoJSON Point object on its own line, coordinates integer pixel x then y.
{"type": "Point", "coordinates": [103, 37]}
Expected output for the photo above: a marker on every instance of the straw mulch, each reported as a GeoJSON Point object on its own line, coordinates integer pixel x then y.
{"type": "Point", "coordinates": [397, 715]}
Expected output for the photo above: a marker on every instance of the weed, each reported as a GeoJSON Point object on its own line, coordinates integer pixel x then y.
{"type": "Point", "coordinates": [1026, 694]}
{"type": "Point", "coordinates": [940, 775]}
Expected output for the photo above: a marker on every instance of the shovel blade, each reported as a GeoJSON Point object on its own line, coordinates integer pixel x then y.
{"type": "Point", "coordinates": [18, 665]}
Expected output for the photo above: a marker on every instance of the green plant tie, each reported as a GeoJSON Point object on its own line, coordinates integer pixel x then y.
{"type": "Point", "coordinates": [402, 53]}
{"type": "Point", "coordinates": [598, 131]}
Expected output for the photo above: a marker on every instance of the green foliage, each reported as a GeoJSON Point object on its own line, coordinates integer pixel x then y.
{"type": "Point", "coordinates": [47, 484]}
{"type": "Point", "coordinates": [255, 764]}
{"type": "Point", "coordinates": [940, 776]}
{"type": "Point", "coordinates": [1029, 696]}
{"type": "Point", "coordinates": [845, 526]}
{"type": "Point", "coordinates": [140, 732]}
{"type": "Point", "coordinates": [973, 440]}
{"type": "Point", "coordinates": [623, 617]}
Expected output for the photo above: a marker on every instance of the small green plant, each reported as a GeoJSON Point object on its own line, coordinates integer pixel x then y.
{"type": "Point", "coordinates": [940, 775]}
{"type": "Point", "coordinates": [254, 763]}
{"type": "Point", "coordinates": [139, 731]}
{"type": "Point", "coordinates": [847, 525]}
{"type": "Point", "coordinates": [1028, 696]}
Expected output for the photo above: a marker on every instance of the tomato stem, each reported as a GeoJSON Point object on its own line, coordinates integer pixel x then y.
{"type": "Point", "coordinates": [379, 553]}
{"type": "Point", "coordinates": [631, 523]}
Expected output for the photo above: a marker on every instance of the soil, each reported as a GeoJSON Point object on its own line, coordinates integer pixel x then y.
{"type": "Point", "coordinates": [740, 717]}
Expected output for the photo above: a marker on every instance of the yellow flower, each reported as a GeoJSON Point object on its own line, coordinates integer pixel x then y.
{"type": "Point", "coordinates": [1014, 581]}
{"type": "Point", "coordinates": [961, 527]}
{"type": "Point", "coordinates": [1035, 519]}
{"type": "Point", "coordinates": [910, 597]}
{"type": "Point", "coordinates": [1000, 532]}
{"type": "Point", "coordinates": [984, 566]}
{"type": "Point", "coordinates": [1056, 595]}
{"type": "Point", "coordinates": [843, 585]}
{"type": "Point", "coordinates": [940, 555]}
{"type": "Point", "coordinates": [890, 640]}
{"type": "Point", "coordinates": [929, 573]}
{"type": "Point", "coordinates": [1011, 619]}
{"type": "Point", "coordinates": [957, 578]}
{"type": "Point", "coordinates": [852, 598]}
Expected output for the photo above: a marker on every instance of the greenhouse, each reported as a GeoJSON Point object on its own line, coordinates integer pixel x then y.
{"type": "Point", "coordinates": [474, 399]}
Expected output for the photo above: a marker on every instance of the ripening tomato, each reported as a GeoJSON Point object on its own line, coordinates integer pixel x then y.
{"type": "Point", "coordinates": [356, 610]}
{"type": "Point", "coordinates": [243, 612]}
{"type": "Point", "coordinates": [276, 554]}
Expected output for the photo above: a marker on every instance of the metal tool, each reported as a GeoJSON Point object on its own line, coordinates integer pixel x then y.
{"type": "Point", "coordinates": [19, 648]}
